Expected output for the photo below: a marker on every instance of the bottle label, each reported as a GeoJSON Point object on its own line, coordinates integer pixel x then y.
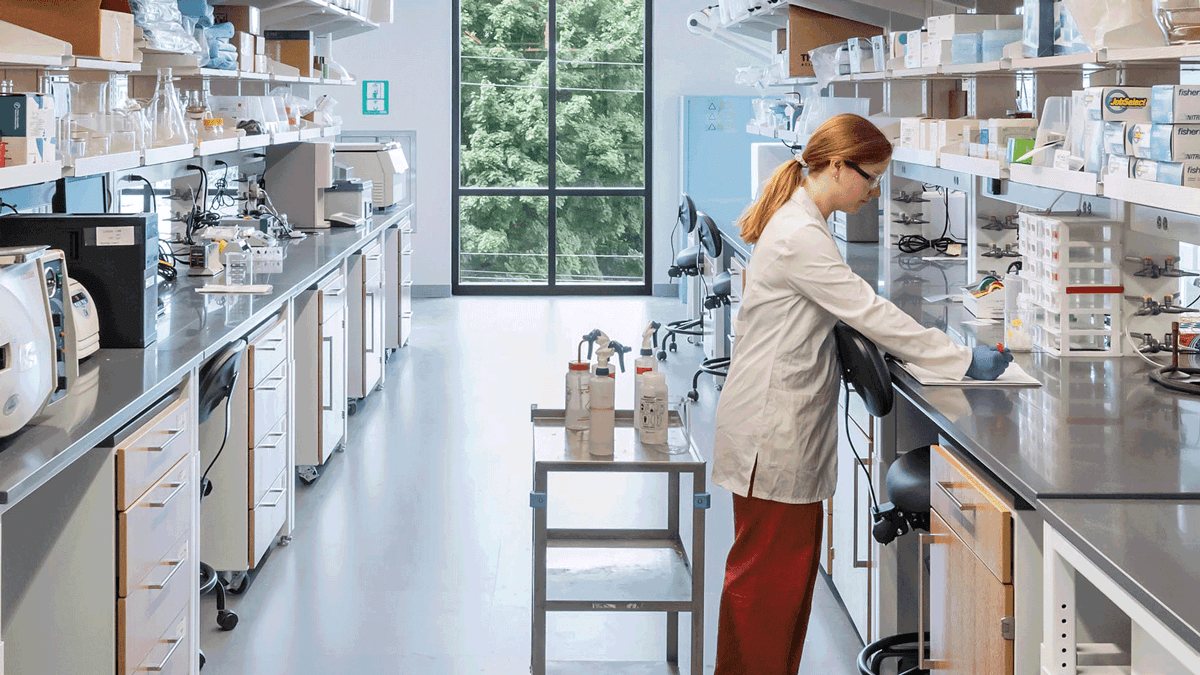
{"type": "Point", "coordinates": [653, 412]}
{"type": "Point", "coordinates": [641, 370]}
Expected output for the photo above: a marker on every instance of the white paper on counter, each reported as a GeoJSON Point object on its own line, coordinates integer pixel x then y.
{"type": "Point", "coordinates": [1014, 376]}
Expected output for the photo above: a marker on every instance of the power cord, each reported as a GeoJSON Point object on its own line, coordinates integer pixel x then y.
{"type": "Point", "coordinates": [10, 207]}
{"type": "Point", "coordinates": [861, 464]}
{"type": "Point", "coordinates": [149, 186]}
{"type": "Point", "coordinates": [915, 243]}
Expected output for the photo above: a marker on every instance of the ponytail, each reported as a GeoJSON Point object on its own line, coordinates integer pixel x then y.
{"type": "Point", "coordinates": [783, 184]}
{"type": "Point", "coordinates": [847, 137]}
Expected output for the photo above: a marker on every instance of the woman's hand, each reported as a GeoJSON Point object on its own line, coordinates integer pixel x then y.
{"type": "Point", "coordinates": [988, 363]}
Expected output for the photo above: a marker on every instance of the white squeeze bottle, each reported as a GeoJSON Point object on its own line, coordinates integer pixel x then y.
{"type": "Point", "coordinates": [579, 377]}
{"type": "Point", "coordinates": [602, 397]}
{"type": "Point", "coordinates": [646, 363]}
{"type": "Point", "coordinates": [652, 409]}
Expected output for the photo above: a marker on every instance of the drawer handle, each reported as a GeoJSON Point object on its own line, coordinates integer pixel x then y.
{"type": "Point", "coordinates": [171, 437]}
{"type": "Point", "coordinates": [406, 315]}
{"type": "Point", "coordinates": [334, 294]}
{"type": "Point", "coordinates": [279, 434]}
{"type": "Point", "coordinates": [407, 282]}
{"type": "Point", "coordinates": [377, 256]}
{"type": "Point", "coordinates": [161, 665]}
{"type": "Point", "coordinates": [279, 380]}
{"type": "Point", "coordinates": [263, 348]}
{"type": "Point", "coordinates": [282, 493]}
{"type": "Point", "coordinates": [924, 540]}
{"type": "Point", "coordinates": [407, 251]}
{"type": "Point", "coordinates": [175, 566]}
{"type": "Point", "coordinates": [326, 373]}
{"type": "Point", "coordinates": [945, 487]}
{"type": "Point", "coordinates": [163, 504]}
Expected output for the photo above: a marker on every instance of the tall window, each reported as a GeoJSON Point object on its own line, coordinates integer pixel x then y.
{"type": "Point", "coordinates": [542, 79]}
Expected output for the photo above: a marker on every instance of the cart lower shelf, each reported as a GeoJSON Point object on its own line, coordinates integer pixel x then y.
{"type": "Point", "coordinates": [611, 668]}
{"type": "Point", "coordinates": [651, 577]}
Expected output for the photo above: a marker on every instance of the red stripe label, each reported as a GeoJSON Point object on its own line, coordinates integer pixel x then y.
{"type": "Point", "coordinates": [644, 370]}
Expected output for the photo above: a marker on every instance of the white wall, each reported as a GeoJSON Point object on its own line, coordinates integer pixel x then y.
{"type": "Point", "coordinates": [414, 55]}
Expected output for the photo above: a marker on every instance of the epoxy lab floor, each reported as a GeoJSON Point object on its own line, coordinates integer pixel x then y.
{"type": "Point", "coordinates": [412, 553]}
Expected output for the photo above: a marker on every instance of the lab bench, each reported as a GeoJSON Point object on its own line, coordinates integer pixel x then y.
{"type": "Point", "coordinates": [1096, 470]}
{"type": "Point", "coordinates": [117, 570]}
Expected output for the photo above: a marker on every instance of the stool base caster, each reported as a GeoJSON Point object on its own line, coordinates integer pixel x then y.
{"type": "Point", "coordinates": [227, 619]}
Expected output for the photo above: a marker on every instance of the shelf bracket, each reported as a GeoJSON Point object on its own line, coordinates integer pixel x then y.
{"type": "Point", "coordinates": [537, 500]}
{"type": "Point", "coordinates": [701, 500]}
{"type": "Point", "coordinates": [703, 23]}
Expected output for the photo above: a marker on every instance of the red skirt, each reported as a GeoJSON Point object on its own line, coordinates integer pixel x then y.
{"type": "Point", "coordinates": [769, 579]}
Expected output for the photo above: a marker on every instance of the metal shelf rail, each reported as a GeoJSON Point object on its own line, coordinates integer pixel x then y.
{"type": "Point", "coordinates": [617, 570]}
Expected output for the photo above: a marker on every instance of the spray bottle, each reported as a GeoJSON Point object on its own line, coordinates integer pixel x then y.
{"type": "Point", "coordinates": [651, 413]}
{"type": "Point", "coordinates": [602, 399]}
{"type": "Point", "coordinates": [646, 363]}
{"type": "Point", "coordinates": [579, 376]}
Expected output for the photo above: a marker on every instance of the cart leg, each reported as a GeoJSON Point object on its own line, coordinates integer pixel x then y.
{"type": "Point", "coordinates": [698, 487]}
{"type": "Point", "coordinates": [538, 648]}
{"type": "Point", "coordinates": [673, 637]}
{"type": "Point", "coordinates": [673, 528]}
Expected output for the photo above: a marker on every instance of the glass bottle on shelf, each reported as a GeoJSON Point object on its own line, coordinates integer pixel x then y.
{"type": "Point", "coordinates": [167, 125]}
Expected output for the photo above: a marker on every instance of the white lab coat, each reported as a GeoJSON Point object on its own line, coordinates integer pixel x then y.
{"type": "Point", "coordinates": [778, 406]}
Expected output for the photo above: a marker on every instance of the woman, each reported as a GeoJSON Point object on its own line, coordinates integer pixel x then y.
{"type": "Point", "coordinates": [776, 433]}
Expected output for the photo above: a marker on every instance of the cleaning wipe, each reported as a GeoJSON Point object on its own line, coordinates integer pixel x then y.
{"type": "Point", "coordinates": [1185, 174]}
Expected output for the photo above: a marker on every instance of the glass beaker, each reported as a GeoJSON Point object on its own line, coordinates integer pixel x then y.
{"type": "Point", "coordinates": [679, 438]}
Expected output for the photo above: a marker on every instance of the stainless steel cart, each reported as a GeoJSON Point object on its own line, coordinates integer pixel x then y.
{"type": "Point", "coordinates": [617, 570]}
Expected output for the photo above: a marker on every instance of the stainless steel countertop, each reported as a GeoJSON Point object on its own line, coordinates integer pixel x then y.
{"type": "Point", "coordinates": [1149, 548]}
{"type": "Point", "coordinates": [115, 385]}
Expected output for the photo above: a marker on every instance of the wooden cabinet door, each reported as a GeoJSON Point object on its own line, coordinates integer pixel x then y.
{"type": "Point", "coordinates": [966, 605]}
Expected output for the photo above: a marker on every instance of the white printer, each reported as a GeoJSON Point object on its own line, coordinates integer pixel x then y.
{"type": "Point", "coordinates": [384, 164]}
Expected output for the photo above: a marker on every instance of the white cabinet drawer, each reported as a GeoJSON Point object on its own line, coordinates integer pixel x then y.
{"type": "Point", "coordinates": [267, 517]}
{"type": "Point", "coordinates": [147, 613]}
{"type": "Point", "coordinates": [149, 529]}
{"type": "Point", "coordinates": [268, 403]}
{"type": "Point", "coordinates": [333, 296]}
{"type": "Point", "coordinates": [267, 351]}
{"type": "Point", "coordinates": [173, 651]}
{"type": "Point", "coordinates": [267, 459]}
{"type": "Point", "coordinates": [147, 453]}
{"type": "Point", "coordinates": [372, 260]}
{"type": "Point", "coordinates": [406, 234]}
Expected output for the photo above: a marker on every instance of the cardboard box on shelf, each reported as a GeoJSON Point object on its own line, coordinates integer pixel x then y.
{"type": "Point", "coordinates": [1175, 142]}
{"type": "Point", "coordinates": [947, 26]}
{"type": "Point", "coordinates": [97, 28]}
{"type": "Point", "coordinates": [935, 53]}
{"type": "Point", "coordinates": [910, 132]}
{"type": "Point", "coordinates": [244, 18]}
{"type": "Point", "coordinates": [913, 43]}
{"type": "Point", "coordinates": [781, 40]}
{"type": "Point", "coordinates": [295, 48]}
{"type": "Point", "coordinates": [1172, 103]}
{"type": "Point", "coordinates": [1123, 104]}
{"type": "Point", "coordinates": [260, 63]}
{"type": "Point", "coordinates": [953, 132]}
{"type": "Point", "coordinates": [879, 52]}
{"type": "Point", "coordinates": [28, 132]}
{"type": "Point", "coordinates": [809, 29]}
{"type": "Point", "coordinates": [1185, 174]}
{"type": "Point", "coordinates": [260, 45]}
{"type": "Point", "coordinates": [245, 46]}
{"type": "Point", "coordinates": [1118, 165]}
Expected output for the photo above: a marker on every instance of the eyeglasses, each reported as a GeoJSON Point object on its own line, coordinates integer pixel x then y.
{"type": "Point", "coordinates": [872, 181]}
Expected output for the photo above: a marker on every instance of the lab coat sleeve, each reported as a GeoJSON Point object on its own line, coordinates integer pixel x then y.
{"type": "Point", "coordinates": [810, 264]}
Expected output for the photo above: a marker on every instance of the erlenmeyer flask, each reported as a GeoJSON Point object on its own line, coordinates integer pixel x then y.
{"type": "Point", "coordinates": [166, 114]}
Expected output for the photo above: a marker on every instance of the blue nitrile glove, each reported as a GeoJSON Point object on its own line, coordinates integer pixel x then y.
{"type": "Point", "coordinates": [988, 363]}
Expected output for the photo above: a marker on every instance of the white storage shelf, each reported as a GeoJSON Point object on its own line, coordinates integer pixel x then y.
{"type": "Point", "coordinates": [975, 166]}
{"type": "Point", "coordinates": [1148, 193]}
{"type": "Point", "coordinates": [1079, 182]}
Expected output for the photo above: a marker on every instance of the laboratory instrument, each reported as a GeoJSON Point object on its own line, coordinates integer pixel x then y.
{"type": "Point", "coordinates": [204, 260]}
{"type": "Point", "coordinates": [351, 196]}
{"type": "Point", "coordinates": [651, 417]}
{"type": "Point", "coordinates": [26, 346]}
{"type": "Point", "coordinates": [292, 173]}
{"type": "Point", "coordinates": [645, 363]}
{"type": "Point", "coordinates": [52, 268]}
{"type": "Point", "coordinates": [87, 320]}
{"type": "Point", "coordinates": [346, 220]}
{"type": "Point", "coordinates": [383, 165]}
{"type": "Point", "coordinates": [114, 255]}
